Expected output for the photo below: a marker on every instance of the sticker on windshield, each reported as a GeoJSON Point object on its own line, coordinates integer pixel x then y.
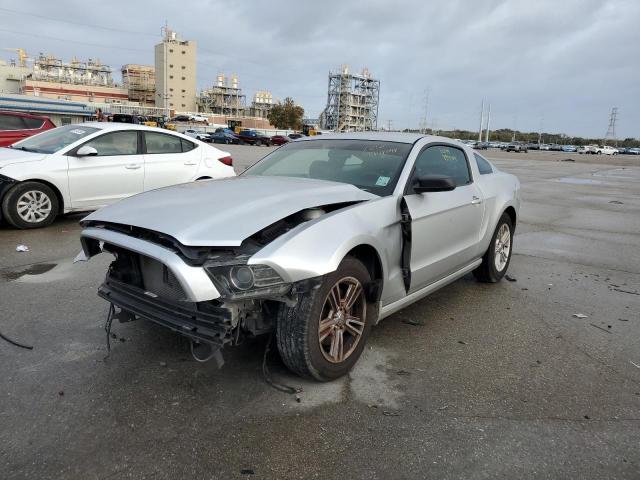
{"type": "Point", "coordinates": [382, 181]}
{"type": "Point", "coordinates": [77, 131]}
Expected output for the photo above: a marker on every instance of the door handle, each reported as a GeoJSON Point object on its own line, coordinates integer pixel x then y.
{"type": "Point", "coordinates": [190, 163]}
{"type": "Point", "coordinates": [132, 166]}
{"type": "Point", "coordinates": [476, 200]}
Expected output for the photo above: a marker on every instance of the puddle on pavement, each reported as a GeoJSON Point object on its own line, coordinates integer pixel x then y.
{"type": "Point", "coordinates": [37, 269]}
{"type": "Point", "coordinates": [579, 181]}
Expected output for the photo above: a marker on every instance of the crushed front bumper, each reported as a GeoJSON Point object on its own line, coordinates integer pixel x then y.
{"type": "Point", "coordinates": [200, 322]}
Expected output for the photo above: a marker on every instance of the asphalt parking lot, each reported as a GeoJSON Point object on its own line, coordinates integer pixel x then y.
{"type": "Point", "coordinates": [476, 381]}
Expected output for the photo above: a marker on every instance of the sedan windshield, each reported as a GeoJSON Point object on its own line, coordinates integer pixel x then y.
{"type": "Point", "coordinates": [371, 165]}
{"type": "Point", "coordinates": [53, 140]}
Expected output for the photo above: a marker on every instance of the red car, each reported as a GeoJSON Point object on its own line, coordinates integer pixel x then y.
{"type": "Point", "coordinates": [16, 126]}
{"type": "Point", "coordinates": [280, 140]}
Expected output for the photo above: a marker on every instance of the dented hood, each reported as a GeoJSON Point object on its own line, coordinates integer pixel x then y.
{"type": "Point", "coordinates": [225, 212]}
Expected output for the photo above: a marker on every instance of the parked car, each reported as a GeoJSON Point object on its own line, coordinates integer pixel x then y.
{"type": "Point", "coordinates": [634, 151]}
{"type": "Point", "coordinates": [223, 137]}
{"type": "Point", "coordinates": [15, 126]}
{"type": "Point", "coordinates": [329, 236]}
{"type": "Point", "coordinates": [545, 146]}
{"type": "Point", "coordinates": [87, 166]}
{"type": "Point", "coordinates": [280, 139]}
{"type": "Point", "coordinates": [181, 118]}
{"type": "Point", "coordinates": [568, 148]}
{"type": "Point", "coordinates": [516, 147]}
{"type": "Point", "coordinates": [202, 136]}
{"type": "Point", "coordinates": [225, 130]}
{"type": "Point", "coordinates": [253, 138]}
{"type": "Point", "coordinates": [199, 119]}
{"type": "Point", "coordinates": [481, 145]}
{"type": "Point", "coordinates": [296, 136]}
{"type": "Point", "coordinates": [554, 147]}
{"type": "Point", "coordinates": [606, 150]}
{"type": "Point", "coordinates": [533, 146]}
{"type": "Point", "coordinates": [587, 149]}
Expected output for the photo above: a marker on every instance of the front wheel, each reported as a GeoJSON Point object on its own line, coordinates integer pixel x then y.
{"type": "Point", "coordinates": [30, 205]}
{"type": "Point", "coordinates": [323, 335]}
{"type": "Point", "coordinates": [497, 257]}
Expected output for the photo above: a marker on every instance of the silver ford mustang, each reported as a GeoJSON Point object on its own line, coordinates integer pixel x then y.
{"type": "Point", "coordinates": [317, 242]}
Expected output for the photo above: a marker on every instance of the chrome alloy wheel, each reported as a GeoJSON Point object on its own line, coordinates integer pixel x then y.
{"type": "Point", "coordinates": [342, 320]}
{"type": "Point", "coordinates": [33, 206]}
{"type": "Point", "coordinates": [502, 247]}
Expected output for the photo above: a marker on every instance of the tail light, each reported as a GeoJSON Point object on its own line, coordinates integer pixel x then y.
{"type": "Point", "coordinates": [227, 161]}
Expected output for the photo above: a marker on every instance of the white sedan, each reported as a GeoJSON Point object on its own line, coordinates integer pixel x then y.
{"type": "Point", "coordinates": [90, 165]}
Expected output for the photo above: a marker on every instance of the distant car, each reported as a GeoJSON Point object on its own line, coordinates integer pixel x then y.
{"type": "Point", "coordinates": [606, 150]}
{"type": "Point", "coordinates": [198, 119]}
{"type": "Point", "coordinates": [516, 147]}
{"type": "Point", "coordinates": [224, 137]}
{"type": "Point", "coordinates": [633, 151]}
{"type": "Point", "coordinates": [16, 126]}
{"type": "Point", "coordinates": [554, 147]}
{"type": "Point", "coordinates": [202, 136]}
{"type": "Point", "coordinates": [568, 148]}
{"type": "Point", "coordinates": [225, 130]}
{"type": "Point", "coordinates": [533, 146]}
{"type": "Point", "coordinates": [481, 145]}
{"type": "Point", "coordinates": [544, 146]}
{"type": "Point", "coordinates": [181, 118]}
{"type": "Point", "coordinates": [280, 139]}
{"type": "Point", "coordinates": [586, 149]}
{"type": "Point", "coordinates": [90, 165]}
{"type": "Point", "coordinates": [253, 138]}
{"type": "Point", "coordinates": [295, 136]}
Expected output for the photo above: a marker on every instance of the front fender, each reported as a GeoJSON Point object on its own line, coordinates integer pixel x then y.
{"type": "Point", "coordinates": [317, 247]}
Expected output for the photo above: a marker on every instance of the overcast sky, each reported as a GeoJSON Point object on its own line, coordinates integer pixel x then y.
{"type": "Point", "coordinates": [556, 64]}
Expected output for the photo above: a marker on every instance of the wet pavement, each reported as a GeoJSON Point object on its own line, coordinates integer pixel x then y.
{"type": "Point", "coordinates": [475, 381]}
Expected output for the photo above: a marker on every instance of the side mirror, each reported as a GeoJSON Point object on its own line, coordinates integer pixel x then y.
{"type": "Point", "coordinates": [86, 151]}
{"type": "Point", "coordinates": [434, 183]}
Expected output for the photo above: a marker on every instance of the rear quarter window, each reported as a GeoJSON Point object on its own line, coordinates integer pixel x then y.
{"type": "Point", "coordinates": [10, 122]}
{"type": "Point", "coordinates": [484, 167]}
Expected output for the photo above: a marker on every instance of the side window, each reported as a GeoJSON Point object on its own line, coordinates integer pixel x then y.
{"type": "Point", "coordinates": [115, 143]}
{"type": "Point", "coordinates": [9, 122]}
{"type": "Point", "coordinates": [442, 160]}
{"type": "Point", "coordinates": [187, 145]}
{"type": "Point", "coordinates": [33, 123]}
{"type": "Point", "coordinates": [162, 143]}
{"type": "Point", "coordinates": [483, 166]}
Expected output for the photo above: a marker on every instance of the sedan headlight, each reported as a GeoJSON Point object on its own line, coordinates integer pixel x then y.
{"type": "Point", "coordinates": [243, 281]}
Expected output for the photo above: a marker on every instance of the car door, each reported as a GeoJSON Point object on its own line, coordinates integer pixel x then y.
{"type": "Point", "coordinates": [115, 172]}
{"type": "Point", "coordinates": [169, 160]}
{"type": "Point", "coordinates": [444, 226]}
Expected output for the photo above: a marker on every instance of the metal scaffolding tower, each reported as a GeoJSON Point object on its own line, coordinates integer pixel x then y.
{"type": "Point", "coordinates": [611, 131]}
{"type": "Point", "coordinates": [222, 99]}
{"type": "Point", "coordinates": [352, 102]}
{"type": "Point", "coordinates": [140, 81]}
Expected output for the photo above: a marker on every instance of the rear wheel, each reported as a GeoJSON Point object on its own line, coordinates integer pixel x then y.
{"type": "Point", "coordinates": [495, 261]}
{"type": "Point", "coordinates": [323, 335]}
{"type": "Point", "coordinates": [30, 205]}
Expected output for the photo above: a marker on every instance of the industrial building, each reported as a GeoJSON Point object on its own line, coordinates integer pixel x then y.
{"type": "Point", "coordinates": [175, 76]}
{"type": "Point", "coordinates": [140, 82]}
{"type": "Point", "coordinates": [352, 102]}
{"type": "Point", "coordinates": [224, 98]}
{"type": "Point", "coordinates": [261, 105]}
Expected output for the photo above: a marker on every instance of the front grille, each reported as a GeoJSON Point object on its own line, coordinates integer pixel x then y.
{"type": "Point", "coordinates": [159, 280]}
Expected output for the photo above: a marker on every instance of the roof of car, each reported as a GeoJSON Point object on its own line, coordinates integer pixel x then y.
{"type": "Point", "coordinates": [399, 137]}
{"type": "Point", "coordinates": [118, 126]}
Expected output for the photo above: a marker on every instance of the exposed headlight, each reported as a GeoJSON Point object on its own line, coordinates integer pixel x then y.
{"type": "Point", "coordinates": [242, 281]}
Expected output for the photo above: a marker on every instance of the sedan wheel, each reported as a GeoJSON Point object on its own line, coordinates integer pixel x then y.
{"type": "Point", "coordinates": [497, 257]}
{"type": "Point", "coordinates": [323, 335]}
{"type": "Point", "coordinates": [30, 205]}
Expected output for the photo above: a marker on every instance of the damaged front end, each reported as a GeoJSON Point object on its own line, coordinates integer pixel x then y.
{"type": "Point", "coordinates": [211, 296]}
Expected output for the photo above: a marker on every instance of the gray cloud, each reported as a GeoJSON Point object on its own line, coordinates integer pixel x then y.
{"type": "Point", "coordinates": [562, 65]}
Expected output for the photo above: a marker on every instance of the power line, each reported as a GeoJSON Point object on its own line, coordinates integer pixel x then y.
{"type": "Point", "coordinates": [29, 34]}
{"type": "Point", "coordinates": [46, 17]}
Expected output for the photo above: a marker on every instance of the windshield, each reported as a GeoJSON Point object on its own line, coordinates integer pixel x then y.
{"type": "Point", "coordinates": [371, 165]}
{"type": "Point", "coordinates": [53, 140]}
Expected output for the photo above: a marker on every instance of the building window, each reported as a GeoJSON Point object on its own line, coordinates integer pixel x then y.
{"type": "Point", "coordinates": [183, 78]}
{"type": "Point", "coordinates": [170, 65]}
{"type": "Point", "coordinates": [170, 76]}
{"type": "Point", "coordinates": [171, 50]}
{"type": "Point", "coordinates": [183, 67]}
{"type": "Point", "coordinates": [183, 52]}
{"type": "Point", "coordinates": [183, 105]}
{"type": "Point", "coordinates": [183, 90]}
{"type": "Point", "coordinates": [171, 104]}
{"type": "Point", "coordinates": [171, 89]}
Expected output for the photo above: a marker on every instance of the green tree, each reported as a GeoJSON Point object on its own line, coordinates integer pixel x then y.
{"type": "Point", "coordinates": [286, 114]}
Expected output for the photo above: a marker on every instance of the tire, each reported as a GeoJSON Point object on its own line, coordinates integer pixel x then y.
{"type": "Point", "coordinates": [488, 271]}
{"type": "Point", "coordinates": [37, 201]}
{"type": "Point", "coordinates": [297, 327]}
{"type": "Point", "coordinates": [258, 143]}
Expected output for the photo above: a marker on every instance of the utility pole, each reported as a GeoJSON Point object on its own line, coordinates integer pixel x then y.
{"type": "Point", "coordinates": [611, 131]}
{"type": "Point", "coordinates": [426, 110]}
{"type": "Point", "coordinates": [486, 135]}
{"type": "Point", "coordinates": [481, 121]}
{"type": "Point", "coordinates": [389, 125]}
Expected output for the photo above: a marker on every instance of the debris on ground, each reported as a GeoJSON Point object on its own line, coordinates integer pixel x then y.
{"type": "Point", "coordinates": [403, 372]}
{"type": "Point", "coordinates": [444, 407]}
{"type": "Point", "coordinates": [616, 202]}
{"type": "Point", "coordinates": [599, 327]}
{"type": "Point", "coordinates": [373, 405]}
{"type": "Point", "coordinates": [635, 364]}
{"type": "Point", "coordinates": [622, 290]}
{"type": "Point", "coordinates": [409, 321]}
{"type": "Point", "coordinates": [623, 319]}
{"type": "Point", "coordinates": [579, 315]}
{"type": "Point", "coordinates": [586, 417]}
{"type": "Point", "coordinates": [388, 413]}
{"type": "Point", "coordinates": [247, 471]}
{"type": "Point", "coordinates": [163, 364]}
{"type": "Point", "coordinates": [298, 398]}
{"type": "Point", "coordinates": [22, 248]}
{"type": "Point", "coordinates": [461, 342]}
{"type": "Point", "coordinates": [17, 344]}
{"type": "Point", "coordinates": [61, 392]}
{"type": "Point", "coordinates": [567, 160]}
{"type": "Point", "coordinates": [510, 278]}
